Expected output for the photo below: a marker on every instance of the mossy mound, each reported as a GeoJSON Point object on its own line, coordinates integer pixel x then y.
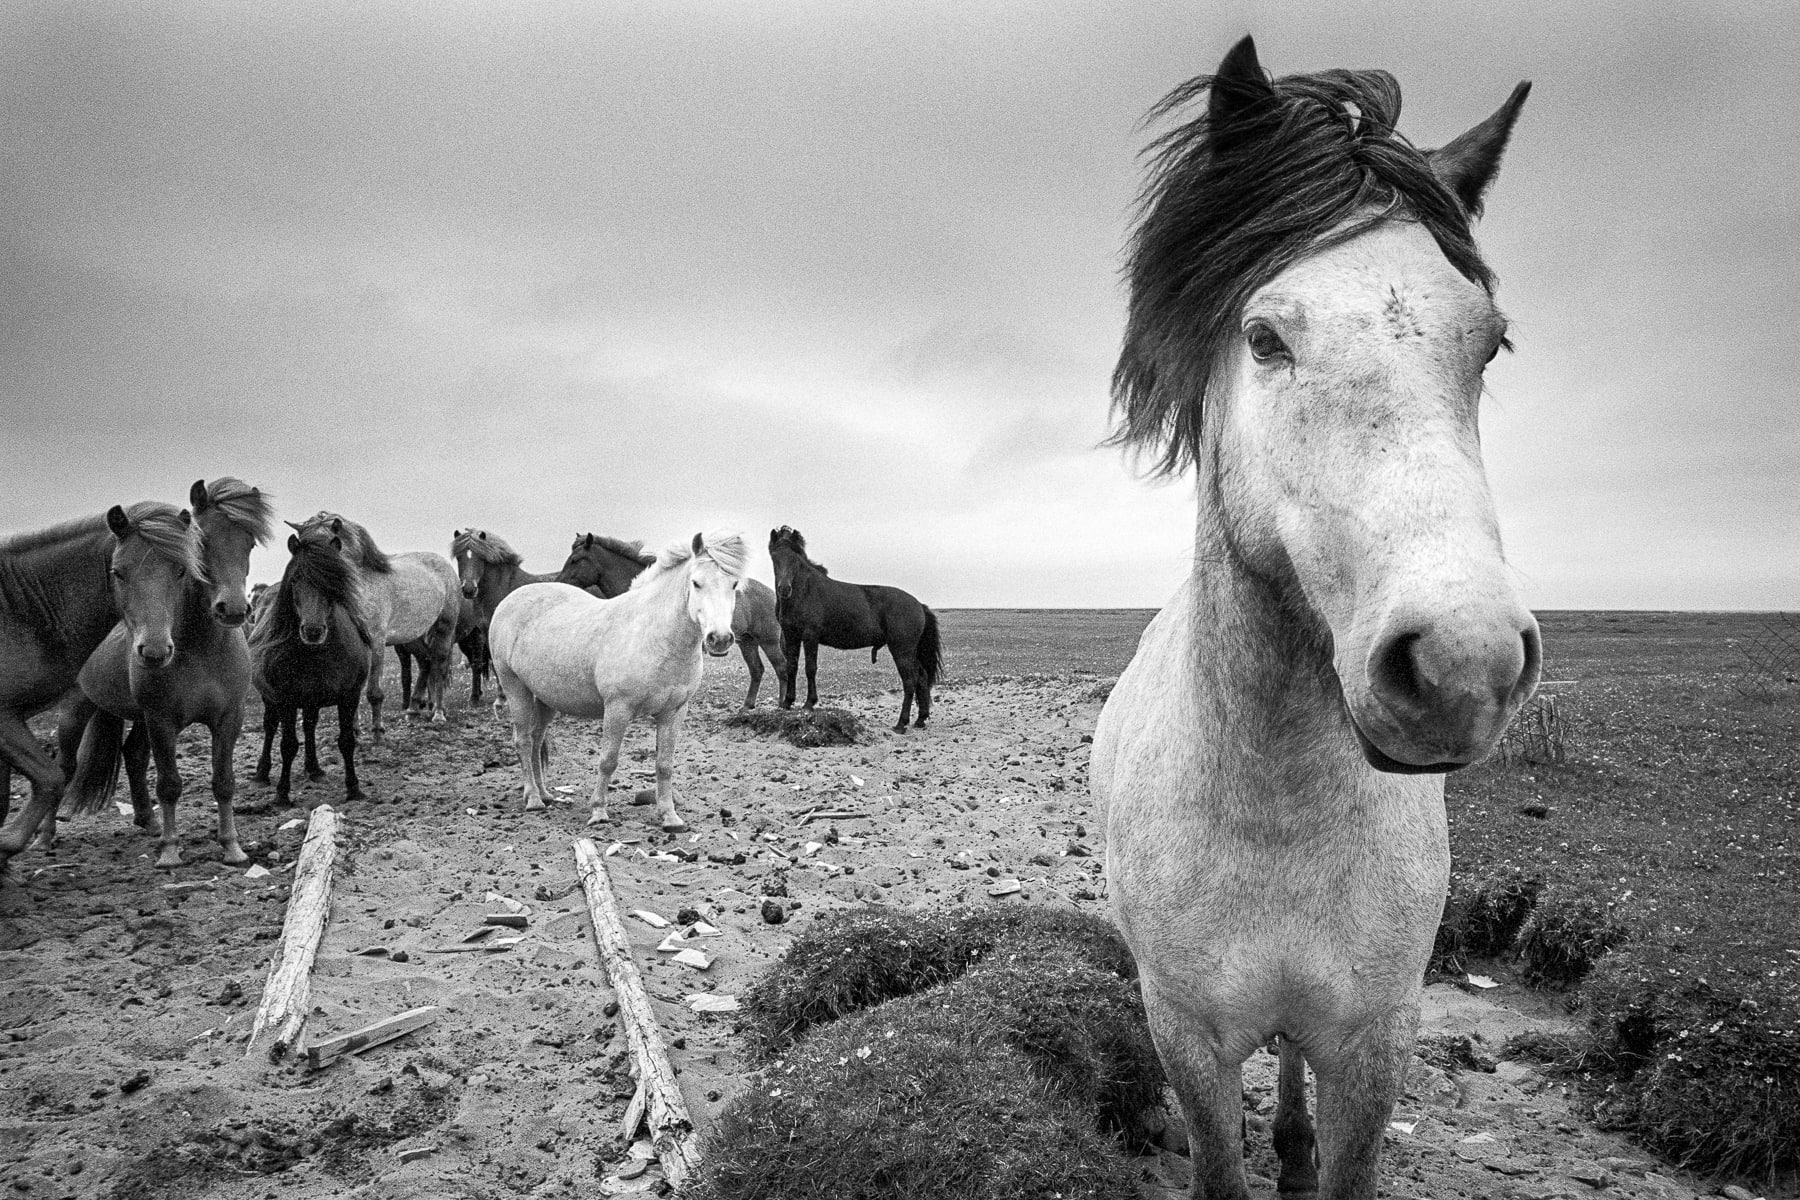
{"type": "Point", "coordinates": [1008, 1081]}
{"type": "Point", "coordinates": [1570, 927]}
{"type": "Point", "coordinates": [807, 727]}
{"type": "Point", "coordinates": [859, 958]}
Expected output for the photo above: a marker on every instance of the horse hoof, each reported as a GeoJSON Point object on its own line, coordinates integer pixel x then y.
{"type": "Point", "coordinates": [260, 777]}
{"type": "Point", "coordinates": [168, 862]}
{"type": "Point", "coordinates": [900, 728]}
{"type": "Point", "coordinates": [534, 804]}
{"type": "Point", "coordinates": [355, 794]}
{"type": "Point", "coordinates": [438, 718]}
{"type": "Point", "coordinates": [675, 827]}
{"type": "Point", "coordinates": [235, 857]}
{"type": "Point", "coordinates": [599, 817]}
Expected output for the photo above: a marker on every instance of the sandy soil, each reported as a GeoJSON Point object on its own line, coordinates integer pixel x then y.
{"type": "Point", "coordinates": [126, 993]}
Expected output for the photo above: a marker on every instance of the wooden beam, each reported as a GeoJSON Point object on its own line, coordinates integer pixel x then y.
{"type": "Point", "coordinates": [323, 1054]}
{"type": "Point", "coordinates": [284, 1001]}
{"type": "Point", "coordinates": [671, 1128]}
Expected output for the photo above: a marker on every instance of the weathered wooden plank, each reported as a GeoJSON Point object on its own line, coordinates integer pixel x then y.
{"type": "Point", "coordinates": [671, 1128]}
{"type": "Point", "coordinates": [284, 1000]}
{"type": "Point", "coordinates": [323, 1054]}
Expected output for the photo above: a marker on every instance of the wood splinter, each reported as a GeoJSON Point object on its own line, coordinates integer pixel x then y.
{"type": "Point", "coordinates": [322, 1054]}
{"type": "Point", "coordinates": [671, 1128]}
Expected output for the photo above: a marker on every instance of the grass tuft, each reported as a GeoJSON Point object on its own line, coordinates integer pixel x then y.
{"type": "Point", "coordinates": [1570, 927]}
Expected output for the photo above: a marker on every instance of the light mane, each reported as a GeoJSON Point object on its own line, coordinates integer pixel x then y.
{"type": "Point", "coordinates": [169, 536]}
{"type": "Point", "coordinates": [246, 507]}
{"type": "Point", "coordinates": [726, 550]}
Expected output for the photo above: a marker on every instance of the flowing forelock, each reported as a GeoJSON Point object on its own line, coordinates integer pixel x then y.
{"type": "Point", "coordinates": [246, 507]}
{"type": "Point", "coordinates": [1227, 208]}
{"type": "Point", "coordinates": [169, 537]}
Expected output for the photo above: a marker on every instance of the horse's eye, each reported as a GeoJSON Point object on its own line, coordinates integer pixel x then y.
{"type": "Point", "coordinates": [1265, 344]}
{"type": "Point", "coordinates": [696, 585]}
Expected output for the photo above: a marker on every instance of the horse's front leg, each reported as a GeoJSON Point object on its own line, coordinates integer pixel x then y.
{"type": "Point", "coordinates": [753, 660]}
{"type": "Point", "coordinates": [310, 723]}
{"type": "Point", "coordinates": [224, 785]}
{"type": "Point", "coordinates": [812, 672]}
{"type": "Point", "coordinates": [406, 679]}
{"type": "Point", "coordinates": [667, 724]}
{"type": "Point", "coordinates": [271, 724]}
{"type": "Point", "coordinates": [1357, 1088]}
{"type": "Point", "coordinates": [346, 740]}
{"type": "Point", "coordinates": [435, 672]}
{"type": "Point", "coordinates": [290, 743]}
{"type": "Point", "coordinates": [612, 736]}
{"type": "Point", "coordinates": [790, 666]}
{"type": "Point", "coordinates": [168, 788]}
{"type": "Point", "coordinates": [1212, 1100]}
{"type": "Point", "coordinates": [136, 755]}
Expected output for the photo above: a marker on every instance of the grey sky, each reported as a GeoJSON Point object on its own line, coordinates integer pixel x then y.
{"type": "Point", "coordinates": [649, 268]}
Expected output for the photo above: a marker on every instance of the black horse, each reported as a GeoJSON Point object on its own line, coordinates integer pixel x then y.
{"type": "Point", "coordinates": [812, 608]}
{"type": "Point", "coordinates": [311, 649]}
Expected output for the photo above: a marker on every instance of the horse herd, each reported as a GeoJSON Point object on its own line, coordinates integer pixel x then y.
{"type": "Point", "coordinates": [1308, 324]}
{"type": "Point", "coordinates": [136, 625]}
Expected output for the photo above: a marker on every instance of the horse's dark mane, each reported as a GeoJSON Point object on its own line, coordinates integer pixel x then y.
{"type": "Point", "coordinates": [321, 566]}
{"type": "Point", "coordinates": [63, 531]}
{"type": "Point", "coordinates": [794, 540]}
{"type": "Point", "coordinates": [1227, 207]}
{"type": "Point", "coordinates": [484, 546]}
{"type": "Point", "coordinates": [159, 524]}
{"type": "Point", "coordinates": [358, 543]}
{"type": "Point", "coordinates": [244, 506]}
{"type": "Point", "coordinates": [632, 550]}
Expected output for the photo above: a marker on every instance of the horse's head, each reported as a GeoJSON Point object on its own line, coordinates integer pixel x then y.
{"type": "Point", "coordinates": [715, 573]}
{"type": "Point", "coordinates": [154, 555]}
{"type": "Point", "coordinates": [232, 518]}
{"type": "Point", "coordinates": [318, 579]}
{"type": "Point", "coordinates": [1341, 373]}
{"type": "Point", "coordinates": [469, 564]}
{"type": "Point", "coordinates": [582, 568]}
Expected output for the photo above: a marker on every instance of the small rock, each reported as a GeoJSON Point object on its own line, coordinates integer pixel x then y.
{"type": "Point", "coordinates": [633, 1167]}
{"type": "Point", "coordinates": [136, 1083]}
{"type": "Point", "coordinates": [415, 1152]}
{"type": "Point", "coordinates": [773, 913]}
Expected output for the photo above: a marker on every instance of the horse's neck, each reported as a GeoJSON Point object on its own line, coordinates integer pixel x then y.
{"type": "Point", "coordinates": [1267, 679]}
{"type": "Point", "coordinates": [615, 579]}
{"type": "Point", "coordinates": [657, 610]}
{"type": "Point", "coordinates": [63, 586]}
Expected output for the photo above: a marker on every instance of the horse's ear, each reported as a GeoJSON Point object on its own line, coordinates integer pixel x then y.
{"type": "Point", "coordinates": [337, 543]}
{"type": "Point", "coordinates": [337, 524]}
{"type": "Point", "coordinates": [293, 541]}
{"type": "Point", "coordinates": [481, 535]}
{"type": "Point", "coordinates": [296, 528]}
{"type": "Point", "coordinates": [118, 522]}
{"type": "Point", "coordinates": [197, 495]}
{"type": "Point", "coordinates": [587, 541]}
{"type": "Point", "coordinates": [699, 546]}
{"type": "Point", "coordinates": [1239, 88]}
{"type": "Point", "coordinates": [1469, 163]}
{"type": "Point", "coordinates": [187, 518]}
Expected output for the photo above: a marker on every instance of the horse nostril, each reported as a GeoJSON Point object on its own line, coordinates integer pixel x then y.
{"type": "Point", "coordinates": [1396, 673]}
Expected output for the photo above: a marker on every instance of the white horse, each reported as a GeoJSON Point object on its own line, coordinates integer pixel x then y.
{"type": "Point", "coordinates": [560, 649]}
{"type": "Point", "coordinates": [407, 598]}
{"type": "Point", "coordinates": [1309, 322]}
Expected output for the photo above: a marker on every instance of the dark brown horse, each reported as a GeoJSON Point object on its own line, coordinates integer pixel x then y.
{"type": "Point", "coordinates": [606, 567]}
{"type": "Point", "coordinates": [204, 683]}
{"type": "Point", "coordinates": [813, 608]}
{"type": "Point", "coordinates": [311, 649]}
{"type": "Point", "coordinates": [471, 639]}
{"type": "Point", "coordinates": [61, 592]}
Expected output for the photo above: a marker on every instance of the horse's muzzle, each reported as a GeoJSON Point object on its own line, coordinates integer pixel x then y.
{"type": "Point", "coordinates": [312, 635]}
{"type": "Point", "coordinates": [718, 643]}
{"type": "Point", "coordinates": [156, 658]}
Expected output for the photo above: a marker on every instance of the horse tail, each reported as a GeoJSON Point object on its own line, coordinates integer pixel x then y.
{"type": "Point", "coordinates": [931, 650]}
{"type": "Point", "coordinates": [96, 765]}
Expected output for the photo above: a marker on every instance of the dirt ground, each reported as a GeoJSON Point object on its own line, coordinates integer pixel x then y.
{"type": "Point", "coordinates": [126, 993]}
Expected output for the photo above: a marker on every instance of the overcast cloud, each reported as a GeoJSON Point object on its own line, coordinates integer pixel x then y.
{"type": "Point", "coordinates": [643, 269]}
